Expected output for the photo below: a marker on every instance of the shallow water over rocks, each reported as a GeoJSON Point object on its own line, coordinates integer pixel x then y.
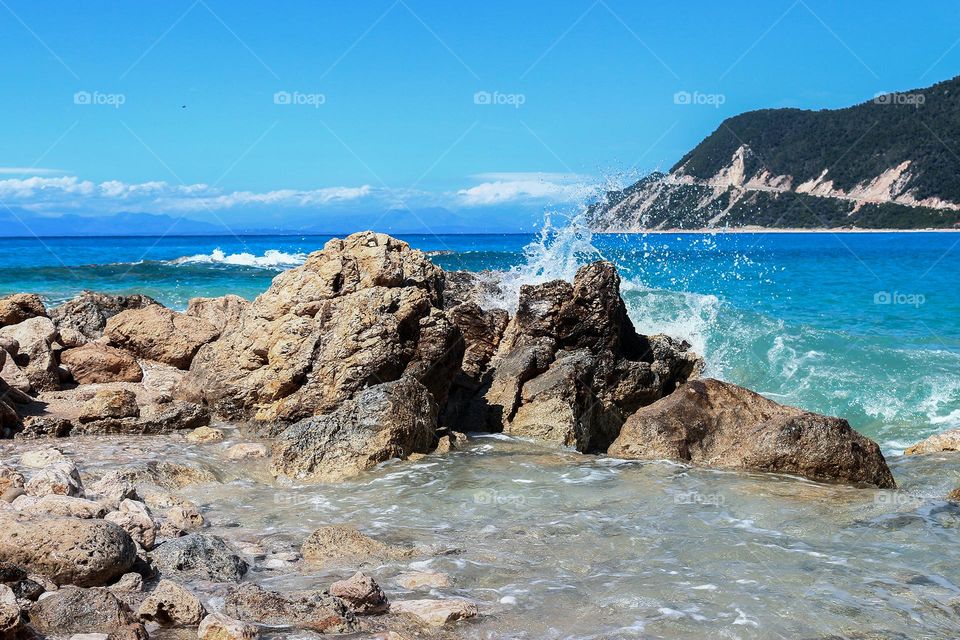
{"type": "Point", "coordinates": [554, 544]}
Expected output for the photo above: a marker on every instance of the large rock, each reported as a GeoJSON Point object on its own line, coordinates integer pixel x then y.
{"type": "Point", "coordinates": [314, 610]}
{"type": "Point", "coordinates": [94, 363]}
{"type": "Point", "coordinates": [171, 604]}
{"type": "Point", "coordinates": [436, 612]}
{"type": "Point", "coordinates": [721, 425]}
{"type": "Point", "coordinates": [199, 556]}
{"type": "Point", "coordinates": [73, 610]}
{"type": "Point", "coordinates": [224, 312]}
{"type": "Point", "coordinates": [157, 333]}
{"type": "Point", "coordinates": [363, 311]}
{"type": "Point", "coordinates": [39, 345]}
{"type": "Point", "coordinates": [390, 420]}
{"type": "Point", "coordinates": [947, 441]}
{"type": "Point", "coordinates": [570, 366]}
{"type": "Point", "coordinates": [217, 626]}
{"type": "Point", "coordinates": [337, 545]}
{"type": "Point", "coordinates": [84, 318]}
{"type": "Point", "coordinates": [110, 404]}
{"type": "Point", "coordinates": [61, 478]}
{"type": "Point", "coordinates": [18, 307]}
{"type": "Point", "coordinates": [66, 507]}
{"type": "Point", "coordinates": [67, 550]}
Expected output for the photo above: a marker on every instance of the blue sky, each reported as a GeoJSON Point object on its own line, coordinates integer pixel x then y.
{"type": "Point", "coordinates": [344, 113]}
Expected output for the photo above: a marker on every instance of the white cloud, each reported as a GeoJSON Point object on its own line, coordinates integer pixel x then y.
{"type": "Point", "coordinates": [28, 171]}
{"type": "Point", "coordinates": [37, 186]}
{"type": "Point", "coordinates": [279, 198]}
{"type": "Point", "coordinates": [521, 188]}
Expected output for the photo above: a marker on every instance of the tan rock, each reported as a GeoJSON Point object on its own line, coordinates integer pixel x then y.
{"type": "Point", "coordinates": [419, 579]}
{"type": "Point", "coordinates": [205, 435]}
{"type": "Point", "coordinates": [110, 403]}
{"type": "Point", "coordinates": [436, 612]}
{"type": "Point", "coordinates": [128, 583]}
{"type": "Point", "coordinates": [75, 610]}
{"type": "Point", "coordinates": [314, 610]}
{"type": "Point", "coordinates": [337, 544]}
{"type": "Point", "coordinates": [97, 363]}
{"type": "Point", "coordinates": [66, 507]}
{"type": "Point", "coordinates": [170, 604]}
{"type": "Point", "coordinates": [38, 340]}
{"type": "Point", "coordinates": [135, 518]}
{"type": "Point", "coordinates": [43, 457]}
{"type": "Point", "coordinates": [948, 441]}
{"type": "Point", "coordinates": [157, 333]}
{"type": "Point", "coordinates": [247, 450]}
{"type": "Point", "coordinates": [720, 425]}
{"type": "Point", "coordinates": [362, 594]}
{"type": "Point", "coordinates": [85, 317]}
{"type": "Point", "coordinates": [223, 313]}
{"type": "Point", "coordinates": [19, 307]}
{"type": "Point", "coordinates": [10, 478]}
{"type": "Point", "coordinates": [61, 478]}
{"type": "Point", "coordinates": [217, 626]}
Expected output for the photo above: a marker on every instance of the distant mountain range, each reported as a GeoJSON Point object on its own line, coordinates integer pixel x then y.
{"type": "Point", "coordinates": [889, 163]}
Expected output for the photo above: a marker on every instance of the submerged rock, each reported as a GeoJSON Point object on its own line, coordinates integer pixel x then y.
{"type": "Point", "coordinates": [87, 552]}
{"type": "Point", "coordinates": [717, 424]}
{"type": "Point", "coordinates": [436, 612]}
{"type": "Point", "coordinates": [338, 545]}
{"type": "Point", "coordinates": [217, 626]}
{"type": "Point", "coordinates": [314, 610]}
{"type": "Point", "coordinates": [390, 420]}
{"type": "Point", "coordinates": [362, 594]}
{"type": "Point", "coordinates": [199, 556]}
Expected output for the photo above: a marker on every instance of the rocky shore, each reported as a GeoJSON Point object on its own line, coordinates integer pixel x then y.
{"type": "Point", "coordinates": [367, 353]}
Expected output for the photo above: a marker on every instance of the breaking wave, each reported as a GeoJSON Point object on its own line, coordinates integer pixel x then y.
{"type": "Point", "coordinates": [271, 259]}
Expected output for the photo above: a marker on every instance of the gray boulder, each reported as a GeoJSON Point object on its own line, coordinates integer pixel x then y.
{"type": "Point", "coordinates": [200, 556]}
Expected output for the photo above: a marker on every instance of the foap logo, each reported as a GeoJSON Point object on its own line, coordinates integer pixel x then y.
{"type": "Point", "coordinates": [898, 500]}
{"type": "Point", "coordinates": [898, 298]}
{"type": "Point", "coordinates": [498, 99]}
{"type": "Point", "coordinates": [702, 499]}
{"type": "Point", "coordinates": [907, 99]}
{"type": "Point", "coordinates": [300, 99]}
{"type": "Point", "coordinates": [494, 497]}
{"type": "Point", "coordinates": [699, 99]}
{"type": "Point", "coordinates": [96, 98]}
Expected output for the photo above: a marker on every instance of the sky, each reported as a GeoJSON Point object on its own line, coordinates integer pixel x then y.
{"type": "Point", "coordinates": [474, 115]}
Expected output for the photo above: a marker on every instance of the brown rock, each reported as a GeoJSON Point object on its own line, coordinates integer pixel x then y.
{"type": "Point", "coordinates": [948, 441]}
{"type": "Point", "coordinates": [314, 610]}
{"type": "Point", "coordinates": [205, 435]}
{"type": "Point", "coordinates": [390, 420]}
{"type": "Point", "coordinates": [134, 518]}
{"type": "Point", "coordinates": [157, 333]}
{"type": "Point", "coordinates": [217, 626]}
{"type": "Point", "coordinates": [19, 307]}
{"type": "Point", "coordinates": [954, 496]}
{"type": "Point", "coordinates": [74, 610]}
{"type": "Point", "coordinates": [95, 363]}
{"type": "Point", "coordinates": [223, 313]}
{"type": "Point", "coordinates": [89, 552]}
{"type": "Point", "coordinates": [247, 450]}
{"type": "Point", "coordinates": [716, 424]}
{"type": "Point", "coordinates": [85, 317]}
{"type": "Point", "coordinates": [170, 604]}
{"type": "Point", "coordinates": [38, 342]}
{"type": "Point", "coordinates": [110, 403]}
{"type": "Point", "coordinates": [66, 507]}
{"type": "Point", "coordinates": [419, 579]}
{"type": "Point", "coordinates": [362, 594]}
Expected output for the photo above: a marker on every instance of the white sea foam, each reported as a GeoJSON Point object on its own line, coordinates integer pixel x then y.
{"type": "Point", "coordinates": [271, 259]}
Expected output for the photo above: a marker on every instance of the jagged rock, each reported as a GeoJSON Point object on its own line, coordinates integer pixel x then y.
{"type": "Point", "coordinates": [949, 440]}
{"type": "Point", "coordinates": [97, 363]}
{"type": "Point", "coordinates": [465, 287]}
{"type": "Point", "coordinates": [716, 424]}
{"type": "Point", "coordinates": [314, 610]}
{"type": "Point", "coordinates": [60, 478]}
{"type": "Point", "coordinates": [110, 403]}
{"type": "Point", "coordinates": [10, 478]}
{"type": "Point", "coordinates": [157, 333]}
{"type": "Point", "coordinates": [66, 507]}
{"type": "Point", "coordinates": [170, 604]}
{"type": "Point", "coordinates": [223, 313]}
{"type": "Point", "coordinates": [339, 545]}
{"type": "Point", "coordinates": [75, 610]}
{"type": "Point", "coordinates": [362, 594]}
{"type": "Point", "coordinates": [153, 419]}
{"type": "Point", "coordinates": [390, 420]}
{"type": "Point", "coordinates": [38, 340]}
{"type": "Point", "coordinates": [185, 518]}
{"type": "Point", "coordinates": [247, 450]}
{"type": "Point", "coordinates": [135, 518]}
{"type": "Point", "coordinates": [205, 435]}
{"type": "Point", "coordinates": [217, 626]}
{"type": "Point", "coordinates": [85, 317]}
{"type": "Point", "coordinates": [11, 619]}
{"type": "Point", "coordinates": [112, 489]}
{"type": "Point", "coordinates": [571, 367]}
{"type": "Point", "coordinates": [350, 317]}
{"type": "Point", "coordinates": [88, 552]}
{"type": "Point", "coordinates": [419, 579]}
{"type": "Point", "coordinates": [28, 589]}
{"type": "Point", "coordinates": [20, 307]}
{"type": "Point", "coordinates": [199, 556]}
{"type": "Point", "coordinates": [436, 612]}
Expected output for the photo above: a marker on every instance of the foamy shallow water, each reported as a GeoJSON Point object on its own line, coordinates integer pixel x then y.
{"type": "Point", "coordinates": [554, 544]}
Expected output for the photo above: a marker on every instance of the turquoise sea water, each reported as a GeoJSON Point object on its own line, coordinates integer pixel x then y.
{"type": "Point", "coordinates": [864, 326]}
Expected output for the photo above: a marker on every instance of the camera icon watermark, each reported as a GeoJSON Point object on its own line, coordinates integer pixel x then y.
{"type": "Point", "coordinates": [895, 98]}
{"type": "Point", "coordinates": [914, 300]}
{"type": "Point", "coordinates": [496, 98]}
{"type": "Point", "coordinates": [697, 98]}
{"type": "Point", "coordinates": [96, 98]}
{"type": "Point", "coordinates": [498, 498]}
{"type": "Point", "coordinates": [300, 99]}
